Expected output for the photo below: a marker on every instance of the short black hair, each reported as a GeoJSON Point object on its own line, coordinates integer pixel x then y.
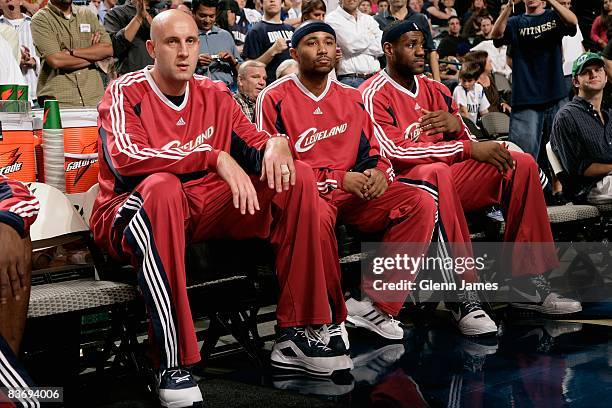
{"type": "Point", "coordinates": [454, 17]}
{"type": "Point", "coordinates": [195, 4]}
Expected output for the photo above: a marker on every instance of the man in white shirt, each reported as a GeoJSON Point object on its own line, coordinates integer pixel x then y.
{"type": "Point", "coordinates": [572, 49]}
{"type": "Point", "coordinates": [358, 35]}
{"type": "Point", "coordinates": [28, 61]}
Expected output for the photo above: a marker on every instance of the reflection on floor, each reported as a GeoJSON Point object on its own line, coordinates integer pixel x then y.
{"type": "Point", "coordinates": [533, 363]}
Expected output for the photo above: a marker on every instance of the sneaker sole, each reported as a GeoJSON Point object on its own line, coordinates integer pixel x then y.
{"type": "Point", "coordinates": [477, 332]}
{"type": "Point", "coordinates": [181, 404]}
{"type": "Point", "coordinates": [282, 362]}
{"type": "Point", "coordinates": [359, 321]}
{"type": "Point", "coordinates": [543, 310]}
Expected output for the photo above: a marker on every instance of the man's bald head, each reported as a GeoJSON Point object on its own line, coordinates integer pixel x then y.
{"type": "Point", "coordinates": [170, 18]}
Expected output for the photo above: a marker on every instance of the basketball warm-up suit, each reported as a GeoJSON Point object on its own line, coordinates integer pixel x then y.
{"type": "Point", "coordinates": [333, 133]}
{"type": "Point", "coordinates": [18, 209]}
{"type": "Point", "coordinates": [441, 164]}
{"type": "Point", "coordinates": [159, 191]}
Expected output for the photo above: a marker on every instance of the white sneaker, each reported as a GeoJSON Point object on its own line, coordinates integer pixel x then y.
{"type": "Point", "coordinates": [536, 295]}
{"type": "Point", "coordinates": [365, 314]}
{"type": "Point", "coordinates": [178, 388]}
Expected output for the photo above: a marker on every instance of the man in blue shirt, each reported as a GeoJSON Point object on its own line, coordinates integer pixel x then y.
{"type": "Point", "coordinates": [538, 89]}
{"type": "Point", "coordinates": [219, 58]}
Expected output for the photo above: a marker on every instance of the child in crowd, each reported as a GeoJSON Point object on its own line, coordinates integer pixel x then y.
{"type": "Point", "coordinates": [470, 95]}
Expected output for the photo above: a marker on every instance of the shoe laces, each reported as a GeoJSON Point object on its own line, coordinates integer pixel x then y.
{"type": "Point", "coordinates": [176, 372]}
{"type": "Point", "coordinates": [313, 337]}
{"type": "Point", "coordinates": [334, 329]}
{"type": "Point", "coordinates": [470, 302]}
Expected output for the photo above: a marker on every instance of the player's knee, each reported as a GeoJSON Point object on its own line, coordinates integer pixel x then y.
{"type": "Point", "coordinates": [427, 206]}
{"type": "Point", "coordinates": [441, 171]}
{"type": "Point", "coordinates": [161, 185]}
{"type": "Point", "coordinates": [524, 161]}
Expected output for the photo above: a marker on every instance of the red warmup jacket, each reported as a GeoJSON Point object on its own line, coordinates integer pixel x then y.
{"type": "Point", "coordinates": [142, 132]}
{"type": "Point", "coordinates": [18, 207]}
{"type": "Point", "coordinates": [396, 112]}
{"type": "Point", "coordinates": [332, 132]}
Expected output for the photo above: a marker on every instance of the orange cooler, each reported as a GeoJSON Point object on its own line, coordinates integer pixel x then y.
{"type": "Point", "coordinates": [81, 148]}
{"type": "Point", "coordinates": [17, 147]}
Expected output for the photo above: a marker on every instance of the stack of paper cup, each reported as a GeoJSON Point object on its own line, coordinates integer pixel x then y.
{"type": "Point", "coordinates": [53, 146]}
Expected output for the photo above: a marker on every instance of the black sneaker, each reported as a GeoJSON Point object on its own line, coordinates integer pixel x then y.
{"type": "Point", "coordinates": [534, 293]}
{"type": "Point", "coordinates": [303, 349]}
{"type": "Point", "coordinates": [335, 337]}
{"type": "Point", "coordinates": [178, 388]}
{"type": "Point", "coordinates": [471, 319]}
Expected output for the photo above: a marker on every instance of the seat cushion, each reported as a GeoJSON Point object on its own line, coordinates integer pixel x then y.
{"type": "Point", "coordinates": [69, 296]}
{"type": "Point", "coordinates": [569, 213]}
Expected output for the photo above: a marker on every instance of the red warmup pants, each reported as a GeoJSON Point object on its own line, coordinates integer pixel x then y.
{"type": "Point", "coordinates": [472, 185]}
{"type": "Point", "coordinates": [405, 213]}
{"type": "Point", "coordinates": [155, 221]}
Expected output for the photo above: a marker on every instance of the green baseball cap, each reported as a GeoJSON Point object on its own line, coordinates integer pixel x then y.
{"type": "Point", "coordinates": [584, 59]}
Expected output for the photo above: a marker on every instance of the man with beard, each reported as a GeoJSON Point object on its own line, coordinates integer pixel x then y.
{"type": "Point", "coordinates": [330, 130]}
{"type": "Point", "coordinates": [69, 40]}
{"type": "Point", "coordinates": [174, 157]}
{"type": "Point", "coordinates": [421, 131]}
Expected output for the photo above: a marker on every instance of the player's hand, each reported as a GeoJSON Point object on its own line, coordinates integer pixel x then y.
{"type": "Point", "coordinates": [13, 263]}
{"type": "Point", "coordinates": [355, 183]}
{"type": "Point", "coordinates": [243, 193]}
{"type": "Point", "coordinates": [438, 122]}
{"type": "Point", "coordinates": [277, 165]}
{"type": "Point", "coordinates": [493, 153]}
{"type": "Point", "coordinates": [204, 59]}
{"type": "Point", "coordinates": [279, 46]}
{"type": "Point", "coordinates": [377, 184]}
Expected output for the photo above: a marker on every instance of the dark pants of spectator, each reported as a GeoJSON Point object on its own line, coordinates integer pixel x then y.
{"type": "Point", "coordinates": [351, 81]}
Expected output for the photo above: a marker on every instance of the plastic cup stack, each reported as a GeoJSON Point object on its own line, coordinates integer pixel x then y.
{"type": "Point", "coordinates": [53, 146]}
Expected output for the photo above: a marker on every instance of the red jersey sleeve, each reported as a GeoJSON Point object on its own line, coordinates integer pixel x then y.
{"type": "Point", "coordinates": [18, 207]}
{"type": "Point", "coordinates": [128, 145]}
{"type": "Point", "coordinates": [406, 151]}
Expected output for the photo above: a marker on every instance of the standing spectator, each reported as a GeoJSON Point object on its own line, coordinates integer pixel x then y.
{"type": "Point", "coordinates": [11, 36]}
{"type": "Point", "coordinates": [383, 7]}
{"type": "Point", "coordinates": [454, 45]}
{"type": "Point", "coordinates": [268, 41]}
{"type": "Point", "coordinates": [538, 89]}
{"type": "Point", "coordinates": [470, 95]}
{"type": "Point", "coordinates": [572, 49]}
{"type": "Point", "coordinates": [498, 55]}
{"type": "Point", "coordinates": [218, 56]}
{"type": "Point", "coordinates": [104, 8]}
{"type": "Point", "coordinates": [9, 69]}
{"type": "Point", "coordinates": [313, 10]}
{"type": "Point", "coordinates": [358, 36]}
{"type": "Point", "coordinates": [69, 40]}
{"type": "Point", "coordinates": [252, 15]}
{"type": "Point", "coordinates": [365, 6]}
{"type": "Point", "coordinates": [294, 13]}
{"type": "Point", "coordinates": [582, 136]}
{"type": "Point", "coordinates": [601, 25]}
{"type": "Point", "coordinates": [129, 26]}
{"type": "Point", "coordinates": [29, 61]}
{"type": "Point", "coordinates": [252, 79]}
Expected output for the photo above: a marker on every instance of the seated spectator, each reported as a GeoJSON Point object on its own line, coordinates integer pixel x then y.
{"type": "Point", "coordinates": [287, 67]}
{"type": "Point", "coordinates": [365, 6]}
{"type": "Point", "coordinates": [496, 100]}
{"type": "Point", "coordinates": [499, 55]}
{"type": "Point", "coordinates": [69, 74]}
{"type": "Point", "coordinates": [470, 95]}
{"type": "Point", "coordinates": [471, 28]}
{"type": "Point", "coordinates": [484, 31]}
{"type": "Point", "coordinates": [251, 81]}
{"type": "Point", "coordinates": [601, 25]}
{"type": "Point", "coordinates": [129, 28]}
{"type": "Point", "coordinates": [313, 10]}
{"type": "Point", "coordinates": [453, 44]}
{"type": "Point", "coordinates": [476, 7]}
{"type": "Point", "coordinates": [105, 7]}
{"type": "Point", "coordinates": [358, 36]}
{"type": "Point", "coordinates": [218, 58]}
{"type": "Point", "coordinates": [268, 41]}
{"type": "Point", "coordinates": [439, 12]}
{"type": "Point", "coordinates": [581, 135]}
{"type": "Point", "coordinates": [29, 61]}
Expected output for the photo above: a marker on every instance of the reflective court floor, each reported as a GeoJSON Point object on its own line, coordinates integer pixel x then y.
{"type": "Point", "coordinates": [532, 363]}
